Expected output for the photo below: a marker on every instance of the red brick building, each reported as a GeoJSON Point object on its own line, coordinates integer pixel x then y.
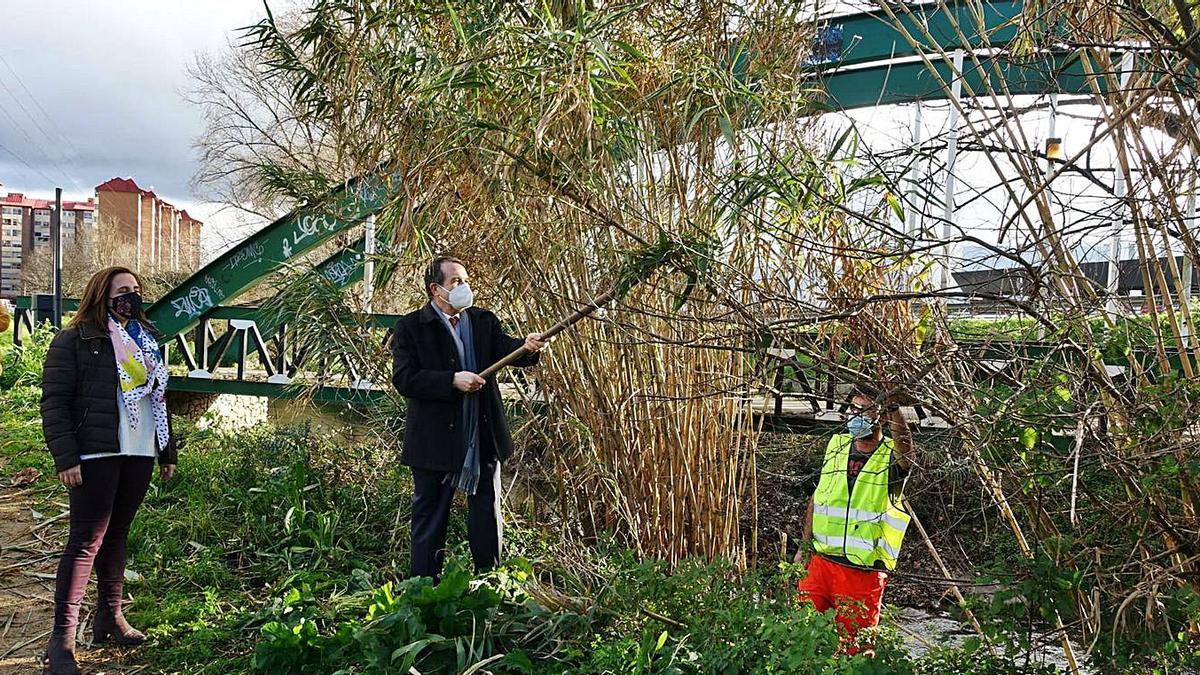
{"type": "Point", "coordinates": [162, 236]}
{"type": "Point", "coordinates": [166, 238]}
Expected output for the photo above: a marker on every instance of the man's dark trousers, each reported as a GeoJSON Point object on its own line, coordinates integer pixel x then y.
{"type": "Point", "coordinates": [433, 493]}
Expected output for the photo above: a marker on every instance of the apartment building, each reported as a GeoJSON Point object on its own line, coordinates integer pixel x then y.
{"type": "Point", "coordinates": [12, 237]}
{"type": "Point", "coordinates": [161, 236]}
{"type": "Point", "coordinates": [25, 227]}
{"type": "Point", "coordinates": [165, 237]}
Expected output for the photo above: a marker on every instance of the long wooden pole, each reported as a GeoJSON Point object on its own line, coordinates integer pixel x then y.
{"type": "Point", "coordinates": [557, 328]}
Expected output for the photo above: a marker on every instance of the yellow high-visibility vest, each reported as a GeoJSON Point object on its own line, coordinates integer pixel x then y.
{"type": "Point", "coordinates": [866, 526]}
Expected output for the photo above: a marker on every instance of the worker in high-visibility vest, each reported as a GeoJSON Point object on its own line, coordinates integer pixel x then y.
{"type": "Point", "coordinates": [856, 517]}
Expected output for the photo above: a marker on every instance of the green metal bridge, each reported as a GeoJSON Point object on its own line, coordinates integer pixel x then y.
{"type": "Point", "coordinates": [861, 60]}
{"type": "Point", "coordinates": [229, 352]}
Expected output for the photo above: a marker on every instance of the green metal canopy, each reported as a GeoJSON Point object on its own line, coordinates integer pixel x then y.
{"type": "Point", "coordinates": [871, 36]}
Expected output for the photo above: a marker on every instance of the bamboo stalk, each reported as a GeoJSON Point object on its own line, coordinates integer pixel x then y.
{"type": "Point", "coordinates": [962, 601]}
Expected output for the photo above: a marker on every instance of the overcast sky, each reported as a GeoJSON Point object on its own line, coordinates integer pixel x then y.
{"type": "Point", "coordinates": [92, 89]}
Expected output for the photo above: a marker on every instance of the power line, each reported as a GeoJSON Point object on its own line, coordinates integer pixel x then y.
{"type": "Point", "coordinates": [25, 110]}
{"type": "Point", "coordinates": [36, 146]}
{"type": "Point", "coordinates": [28, 165]}
{"type": "Point", "coordinates": [17, 125]}
{"type": "Point", "coordinates": [49, 138]}
{"type": "Point", "coordinates": [66, 139]}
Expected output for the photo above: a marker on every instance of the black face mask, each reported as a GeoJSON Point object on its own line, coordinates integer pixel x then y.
{"type": "Point", "coordinates": [127, 306]}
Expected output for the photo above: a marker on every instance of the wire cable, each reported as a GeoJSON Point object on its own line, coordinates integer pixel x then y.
{"type": "Point", "coordinates": [36, 145]}
{"type": "Point", "coordinates": [58, 130]}
{"type": "Point", "coordinates": [28, 165]}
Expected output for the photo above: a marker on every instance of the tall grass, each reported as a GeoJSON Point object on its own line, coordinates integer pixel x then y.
{"type": "Point", "coordinates": [21, 365]}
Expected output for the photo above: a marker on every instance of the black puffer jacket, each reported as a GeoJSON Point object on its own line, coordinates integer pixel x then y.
{"type": "Point", "coordinates": [79, 398]}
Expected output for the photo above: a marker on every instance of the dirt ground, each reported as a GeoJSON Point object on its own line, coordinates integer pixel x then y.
{"type": "Point", "coordinates": [27, 565]}
{"type": "Point", "coordinates": [30, 543]}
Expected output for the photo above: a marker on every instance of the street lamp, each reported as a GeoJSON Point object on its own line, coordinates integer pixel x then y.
{"type": "Point", "coordinates": [1054, 148]}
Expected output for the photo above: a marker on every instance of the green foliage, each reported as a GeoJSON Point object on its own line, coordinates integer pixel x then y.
{"type": "Point", "coordinates": [20, 397]}
{"type": "Point", "coordinates": [443, 628]}
{"type": "Point", "coordinates": [700, 618]}
{"type": "Point", "coordinates": [22, 365]}
{"type": "Point", "coordinates": [974, 660]}
{"type": "Point", "coordinates": [688, 255]}
{"type": "Point", "coordinates": [1087, 509]}
{"type": "Point", "coordinates": [21, 430]}
{"type": "Point", "coordinates": [733, 622]}
{"type": "Point", "coordinates": [1130, 333]}
{"type": "Point", "coordinates": [1031, 594]}
{"type": "Point", "coordinates": [713, 608]}
{"type": "Point", "coordinates": [248, 515]}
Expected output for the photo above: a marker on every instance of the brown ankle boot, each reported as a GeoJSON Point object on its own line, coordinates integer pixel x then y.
{"type": "Point", "coordinates": [59, 658]}
{"type": "Point", "coordinates": [109, 626]}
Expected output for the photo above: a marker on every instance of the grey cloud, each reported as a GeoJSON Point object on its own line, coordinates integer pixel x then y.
{"type": "Point", "coordinates": [110, 75]}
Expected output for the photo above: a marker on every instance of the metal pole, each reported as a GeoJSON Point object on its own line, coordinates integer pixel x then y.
{"type": "Point", "coordinates": [368, 290]}
{"type": "Point", "coordinates": [1190, 221]}
{"type": "Point", "coordinates": [56, 243]}
{"type": "Point", "coordinates": [1188, 263]}
{"type": "Point", "coordinates": [951, 159]}
{"type": "Point", "coordinates": [914, 172]}
{"type": "Point", "coordinates": [1052, 133]}
{"type": "Point", "coordinates": [1051, 139]}
{"type": "Point", "coordinates": [1119, 190]}
{"type": "Point", "coordinates": [1114, 243]}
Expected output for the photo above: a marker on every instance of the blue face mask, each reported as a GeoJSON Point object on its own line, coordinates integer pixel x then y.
{"type": "Point", "coordinates": [860, 426]}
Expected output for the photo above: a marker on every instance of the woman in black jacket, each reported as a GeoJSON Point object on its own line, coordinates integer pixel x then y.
{"type": "Point", "coordinates": [104, 416]}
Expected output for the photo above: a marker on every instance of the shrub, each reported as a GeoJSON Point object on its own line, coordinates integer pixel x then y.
{"type": "Point", "coordinates": [703, 618]}
{"type": "Point", "coordinates": [22, 364]}
{"type": "Point", "coordinates": [448, 627]}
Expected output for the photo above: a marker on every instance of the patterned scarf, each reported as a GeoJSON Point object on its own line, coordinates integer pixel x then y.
{"type": "Point", "coordinates": [140, 372]}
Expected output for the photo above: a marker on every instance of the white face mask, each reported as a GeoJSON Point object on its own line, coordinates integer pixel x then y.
{"type": "Point", "coordinates": [461, 297]}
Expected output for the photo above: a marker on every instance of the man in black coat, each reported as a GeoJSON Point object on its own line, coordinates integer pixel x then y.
{"type": "Point", "coordinates": [455, 435]}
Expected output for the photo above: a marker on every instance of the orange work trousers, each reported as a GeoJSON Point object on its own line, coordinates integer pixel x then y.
{"type": "Point", "coordinates": [855, 594]}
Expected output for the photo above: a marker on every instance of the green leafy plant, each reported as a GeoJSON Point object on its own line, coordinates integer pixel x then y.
{"type": "Point", "coordinates": [22, 364]}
